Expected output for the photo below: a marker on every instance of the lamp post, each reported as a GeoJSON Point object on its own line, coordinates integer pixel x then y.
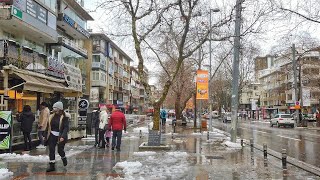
{"type": "Point", "coordinates": [210, 58]}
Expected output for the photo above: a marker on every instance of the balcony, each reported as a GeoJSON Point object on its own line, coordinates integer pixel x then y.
{"type": "Point", "coordinates": [99, 84]}
{"type": "Point", "coordinates": [71, 27]}
{"type": "Point", "coordinates": [99, 65]}
{"type": "Point", "coordinates": [22, 23]}
{"type": "Point", "coordinates": [72, 46]}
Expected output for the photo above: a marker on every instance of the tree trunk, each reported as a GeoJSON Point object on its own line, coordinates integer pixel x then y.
{"type": "Point", "coordinates": [156, 116]}
{"type": "Point", "coordinates": [177, 106]}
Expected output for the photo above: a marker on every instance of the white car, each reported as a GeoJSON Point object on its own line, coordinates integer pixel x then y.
{"type": "Point", "coordinates": [282, 120]}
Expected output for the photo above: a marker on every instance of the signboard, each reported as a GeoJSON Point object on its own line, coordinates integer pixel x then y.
{"type": "Point", "coordinates": [83, 104]}
{"type": "Point", "coordinates": [76, 26]}
{"type": "Point", "coordinates": [21, 4]}
{"type": "Point", "coordinates": [94, 94]}
{"type": "Point", "coordinates": [55, 67]}
{"type": "Point", "coordinates": [73, 77]}
{"type": "Point", "coordinates": [82, 120]}
{"type": "Point", "coordinates": [253, 105]}
{"type": "Point", "coordinates": [5, 129]}
{"type": "Point", "coordinates": [306, 97]}
{"type": "Point", "coordinates": [31, 8]}
{"type": "Point", "coordinates": [42, 14]}
{"type": "Point", "coordinates": [202, 81]}
{"type": "Point", "coordinates": [154, 138]}
{"type": "Point", "coordinates": [16, 12]}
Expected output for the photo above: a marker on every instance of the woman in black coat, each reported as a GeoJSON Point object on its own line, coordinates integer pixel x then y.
{"type": "Point", "coordinates": [26, 118]}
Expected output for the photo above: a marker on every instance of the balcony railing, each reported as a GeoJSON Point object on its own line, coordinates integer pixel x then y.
{"type": "Point", "coordinates": [99, 65]}
{"type": "Point", "coordinates": [73, 45]}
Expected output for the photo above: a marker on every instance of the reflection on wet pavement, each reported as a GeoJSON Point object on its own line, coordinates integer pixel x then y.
{"type": "Point", "coordinates": [191, 156]}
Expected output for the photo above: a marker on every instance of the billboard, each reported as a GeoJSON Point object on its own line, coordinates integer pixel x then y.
{"type": "Point", "coordinates": [202, 81]}
{"type": "Point", "coordinates": [5, 129]}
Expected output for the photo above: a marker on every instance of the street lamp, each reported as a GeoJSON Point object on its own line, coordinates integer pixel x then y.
{"type": "Point", "coordinates": [210, 58]}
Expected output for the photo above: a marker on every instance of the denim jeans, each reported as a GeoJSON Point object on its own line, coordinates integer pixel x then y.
{"type": "Point", "coordinates": [116, 134]}
{"type": "Point", "coordinates": [40, 135]}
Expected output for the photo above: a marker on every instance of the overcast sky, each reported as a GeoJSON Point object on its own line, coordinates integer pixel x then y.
{"type": "Point", "coordinates": [273, 30]}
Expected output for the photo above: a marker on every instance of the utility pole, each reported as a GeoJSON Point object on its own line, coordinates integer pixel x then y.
{"type": "Point", "coordinates": [296, 95]}
{"type": "Point", "coordinates": [235, 73]}
{"type": "Point", "coordinates": [210, 93]}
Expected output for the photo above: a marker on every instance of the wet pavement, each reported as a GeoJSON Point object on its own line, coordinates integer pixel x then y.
{"type": "Point", "coordinates": [301, 143]}
{"type": "Point", "coordinates": [195, 158]}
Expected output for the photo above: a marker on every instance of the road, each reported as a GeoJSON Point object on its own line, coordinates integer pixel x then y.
{"type": "Point", "coordinates": [302, 144]}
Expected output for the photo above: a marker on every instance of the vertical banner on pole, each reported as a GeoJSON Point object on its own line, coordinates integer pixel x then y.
{"type": "Point", "coordinates": [202, 84]}
{"type": "Point", "coordinates": [5, 130]}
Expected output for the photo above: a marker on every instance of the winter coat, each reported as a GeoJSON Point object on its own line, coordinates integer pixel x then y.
{"type": "Point", "coordinates": [163, 114]}
{"type": "Point", "coordinates": [108, 133]}
{"type": "Point", "coordinates": [103, 119]}
{"type": "Point", "coordinates": [117, 121]}
{"type": "Point", "coordinates": [26, 119]}
{"type": "Point", "coordinates": [96, 119]}
{"type": "Point", "coordinates": [44, 118]}
{"type": "Point", "coordinates": [63, 127]}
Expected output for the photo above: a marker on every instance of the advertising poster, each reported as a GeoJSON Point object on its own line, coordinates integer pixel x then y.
{"type": "Point", "coordinates": [5, 129]}
{"type": "Point", "coordinates": [202, 84]}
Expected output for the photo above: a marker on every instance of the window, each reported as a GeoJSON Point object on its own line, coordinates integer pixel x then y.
{"type": "Point", "coordinates": [103, 77]}
{"type": "Point", "coordinates": [110, 96]}
{"type": "Point", "coordinates": [95, 76]}
{"type": "Point", "coordinates": [96, 58]}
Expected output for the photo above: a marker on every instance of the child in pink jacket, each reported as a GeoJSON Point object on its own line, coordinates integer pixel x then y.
{"type": "Point", "coordinates": [108, 135]}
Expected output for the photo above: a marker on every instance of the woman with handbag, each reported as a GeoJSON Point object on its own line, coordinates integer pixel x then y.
{"type": "Point", "coordinates": [57, 134]}
{"type": "Point", "coordinates": [103, 126]}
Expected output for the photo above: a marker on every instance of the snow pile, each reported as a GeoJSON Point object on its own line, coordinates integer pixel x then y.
{"type": "Point", "coordinates": [233, 145]}
{"type": "Point", "coordinates": [73, 150]}
{"type": "Point", "coordinates": [88, 139]}
{"type": "Point", "coordinates": [143, 130]}
{"type": "Point", "coordinates": [5, 173]}
{"type": "Point", "coordinates": [145, 153]}
{"type": "Point", "coordinates": [130, 137]}
{"type": "Point", "coordinates": [24, 157]}
{"type": "Point", "coordinates": [155, 165]}
{"type": "Point", "coordinates": [196, 134]}
{"type": "Point", "coordinates": [129, 168]}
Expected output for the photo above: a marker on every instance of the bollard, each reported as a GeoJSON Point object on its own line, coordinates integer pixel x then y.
{"type": "Point", "coordinates": [265, 153]}
{"type": "Point", "coordinates": [284, 159]}
{"type": "Point", "coordinates": [171, 135]}
{"type": "Point", "coordinates": [208, 135]}
{"type": "Point", "coordinates": [174, 128]}
{"type": "Point", "coordinates": [140, 133]}
{"type": "Point", "coordinates": [251, 142]}
{"type": "Point", "coordinates": [241, 142]}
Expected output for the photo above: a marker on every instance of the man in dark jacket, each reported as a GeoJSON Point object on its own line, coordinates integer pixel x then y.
{"type": "Point", "coordinates": [117, 123]}
{"type": "Point", "coordinates": [26, 118]}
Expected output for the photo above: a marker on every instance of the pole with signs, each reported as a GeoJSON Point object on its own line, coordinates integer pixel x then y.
{"type": "Point", "coordinates": [83, 106]}
{"type": "Point", "coordinates": [202, 87]}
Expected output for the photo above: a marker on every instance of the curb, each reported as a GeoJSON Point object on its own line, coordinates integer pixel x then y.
{"type": "Point", "coordinates": [300, 164]}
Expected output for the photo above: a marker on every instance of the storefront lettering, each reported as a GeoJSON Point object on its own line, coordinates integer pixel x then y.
{"type": "Point", "coordinates": [4, 126]}
{"type": "Point", "coordinates": [76, 26]}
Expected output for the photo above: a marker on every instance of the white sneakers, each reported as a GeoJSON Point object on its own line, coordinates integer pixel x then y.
{"type": "Point", "coordinates": [41, 146]}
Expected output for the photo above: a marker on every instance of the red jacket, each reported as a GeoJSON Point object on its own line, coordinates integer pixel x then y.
{"type": "Point", "coordinates": [117, 121]}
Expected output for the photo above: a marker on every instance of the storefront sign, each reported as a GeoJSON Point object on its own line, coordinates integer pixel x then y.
{"type": "Point", "coordinates": [55, 67]}
{"type": "Point", "coordinates": [82, 120]}
{"type": "Point", "coordinates": [75, 25]}
{"type": "Point", "coordinates": [5, 129]}
{"type": "Point", "coordinates": [202, 84]}
{"type": "Point", "coordinates": [21, 4]}
{"type": "Point", "coordinates": [94, 94]}
{"type": "Point", "coordinates": [16, 12]}
{"type": "Point", "coordinates": [36, 11]}
{"type": "Point", "coordinates": [306, 97]}
{"type": "Point", "coordinates": [83, 104]}
{"type": "Point", "coordinates": [73, 77]}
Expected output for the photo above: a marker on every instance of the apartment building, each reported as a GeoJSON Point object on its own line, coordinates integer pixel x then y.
{"type": "Point", "coordinates": [277, 81]}
{"type": "Point", "coordinates": [134, 91]}
{"type": "Point", "coordinates": [110, 73]}
{"type": "Point", "coordinates": [40, 46]}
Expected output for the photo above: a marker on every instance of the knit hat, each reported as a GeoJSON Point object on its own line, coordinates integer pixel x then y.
{"type": "Point", "coordinates": [58, 105]}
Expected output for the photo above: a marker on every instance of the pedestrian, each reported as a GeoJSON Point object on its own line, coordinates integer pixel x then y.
{"type": "Point", "coordinates": [163, 115]}
{"type": "Point", "coordinates": [108, 136]}
{"type": "Point", "coordinates": [102, 126]}
{"type": "Point", "coordinates": [42, 124]}
{"type": "Point", "coordinates": [26, 118]}
{"type": "Point", "coordinates": [57, 134]}
{"type": "Point", "coordinates": [95, 122]}
{"type": "Point", "coordinates": [117, 123]}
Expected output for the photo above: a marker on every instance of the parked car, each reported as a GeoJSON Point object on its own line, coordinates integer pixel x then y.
{"type": "Point", "coordinates": [215, 114]}
{"type": "Point", "coordinates": [282, 120]}
{"type": "Point", "coordinates": [227, 117]}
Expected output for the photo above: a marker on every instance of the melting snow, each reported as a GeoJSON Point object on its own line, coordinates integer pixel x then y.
{"type": "Point", "coordinates": [5, 173]}
{"type": "Point", "coordinates": [143, 130]}
{"type": "Point", "coordinates": [232, 145]}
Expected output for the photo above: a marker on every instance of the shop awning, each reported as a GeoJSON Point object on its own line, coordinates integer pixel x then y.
{"type": "Point", "coordinates": [38, 84]}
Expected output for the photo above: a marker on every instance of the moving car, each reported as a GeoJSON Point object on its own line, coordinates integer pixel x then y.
{"type": "Point", "coordinates": [282, 120]}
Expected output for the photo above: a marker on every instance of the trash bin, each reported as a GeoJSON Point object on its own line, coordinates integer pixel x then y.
{"type": "Point", "coordinates": [204, 123]}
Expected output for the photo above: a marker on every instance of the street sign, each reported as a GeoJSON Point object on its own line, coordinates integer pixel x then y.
{"type": "Point", "coordinates": [83, 104]}
{"type": "Point", "coordinates": [16, 12]}
{"type": "Point", "coordinates": [297, 105]}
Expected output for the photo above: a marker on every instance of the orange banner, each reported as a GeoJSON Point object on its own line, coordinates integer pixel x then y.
{"type": "Point", "coordinates": [202, 84]}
